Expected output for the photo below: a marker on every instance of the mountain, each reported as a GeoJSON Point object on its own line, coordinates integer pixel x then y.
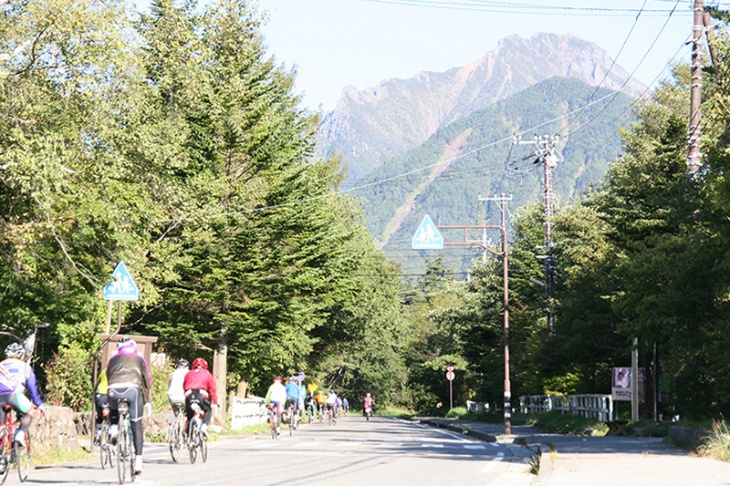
{"type": "Point", "coordinates": [372, 126]}
{"type": "Point", "coordinates": [475, 154]}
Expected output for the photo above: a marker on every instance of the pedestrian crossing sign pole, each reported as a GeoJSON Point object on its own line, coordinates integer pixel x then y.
{"type": "Point", "coordinates": [427, 236]}
{"type": "Point", "coordinates": [120, 289]}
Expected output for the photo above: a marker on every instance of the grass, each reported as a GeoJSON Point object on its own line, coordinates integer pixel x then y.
{"type": "Point", "coordinates": [717, 445]}
{"type": "Point", "coordinates": [55, 456]}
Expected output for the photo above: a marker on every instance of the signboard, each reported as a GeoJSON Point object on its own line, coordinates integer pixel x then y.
{"type": "Point", "coordinates": [122, 287]}
{"type": "Point", "coordinates": [450, 375]}
{"type": "Point", "coordinates": [427, 236]}
{"type": "Point", "coordinates": [622, 384]}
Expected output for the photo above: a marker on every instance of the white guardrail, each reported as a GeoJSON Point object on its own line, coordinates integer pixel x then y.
{"type": "Point", "coordinates": [595, 406]}
{"type": "Point", "coordinates": [247, 411]}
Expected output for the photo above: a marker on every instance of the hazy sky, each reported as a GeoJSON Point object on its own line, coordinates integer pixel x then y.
{"type": "Point", "coordinates": [333, 43]}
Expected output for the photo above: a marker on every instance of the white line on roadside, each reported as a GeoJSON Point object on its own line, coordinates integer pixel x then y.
{"type": "Point", "coordinates": [493, 463]}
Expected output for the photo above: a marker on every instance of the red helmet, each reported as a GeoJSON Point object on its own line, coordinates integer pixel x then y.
{"type": "Point", "coordinates": [200, 363]}
{"type": "Point", "coordinates": [277, 379]}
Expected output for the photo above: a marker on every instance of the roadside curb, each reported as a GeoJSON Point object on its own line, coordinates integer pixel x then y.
{"type": "Point", "coordinates": [522, 451]}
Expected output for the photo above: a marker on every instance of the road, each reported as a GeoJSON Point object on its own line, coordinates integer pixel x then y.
{"type": "Point", "coordinates": [384, 451]}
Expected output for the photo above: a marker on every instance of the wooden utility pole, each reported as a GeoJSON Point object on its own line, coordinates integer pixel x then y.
{"type": "Point", "coordinates": [694, 157]}
{"type": "Point", "coordinates": [545, 154]}
{"type": "Point", "coordinates": [467, 241]}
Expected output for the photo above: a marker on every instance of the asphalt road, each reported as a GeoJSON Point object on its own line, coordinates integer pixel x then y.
{"type": "Point", "coordinates": [383, 451]}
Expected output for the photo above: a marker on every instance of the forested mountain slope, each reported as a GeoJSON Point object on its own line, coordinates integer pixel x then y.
{"type": "Point", "coordinates": [475, 155]}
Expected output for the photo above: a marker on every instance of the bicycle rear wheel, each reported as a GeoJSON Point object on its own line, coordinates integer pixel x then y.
{"type": "Point", "coordinates": [123, 453]}
{"type": "Point", "coordinates": [22, 458]}
{"type": "Point", "coordinates": [192, 440]}
{"type": "Point", "coordinates": [203, 449]}
{"type": "Point", "coordinates": [4, 457]}
{"type": "Point", "coordinates": [176, 438]}
{"type": "Point", "coordinates": [103, 441]}
{"type": "Point", "coordinates": [130, 454]}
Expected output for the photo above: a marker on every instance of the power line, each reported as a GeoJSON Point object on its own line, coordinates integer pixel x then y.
{"type": "Point", "coordinates": [651, 46]}
{"type": "Point", "coordinates": [522, 8]}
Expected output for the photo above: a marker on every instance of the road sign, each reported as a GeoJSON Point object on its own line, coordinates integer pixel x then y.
{"type": "Point", "coordinates": [427, 236]}
{"type": "Point", "coordinates": [450, 375]}
{"type": "Point", "coordinates": [122, 287]}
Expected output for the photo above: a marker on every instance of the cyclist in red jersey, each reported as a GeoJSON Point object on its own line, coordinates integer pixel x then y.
{"type": "Point", "coordinates": [199, 384]}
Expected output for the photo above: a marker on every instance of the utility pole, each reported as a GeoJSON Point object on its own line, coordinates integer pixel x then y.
{"type": "Point", "coordinates": [505, 277]}
{"type": "Point", "coordinates": [467, 241]}
{"type": "Point", "coordinates": [694, 133]}
{"type": "Point", "coordinates": [545, 153]}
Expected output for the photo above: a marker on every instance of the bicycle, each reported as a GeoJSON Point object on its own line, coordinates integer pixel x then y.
{"type": "Point", "coordinates": [310, 413]}
{"type": "Point", "coordinates": [106, 447]}
{"type": "Point", "coordinates": [273, 421]}
{"type": "Point", "coordinates": [331, 415]}
{"type": "Point", "coordinates": [291, 417]}
{"type": "Point", "coordinates": [195, 438]}
{"type": "Point", "coordinates": [176, 433]}
{"type": "Point", "coordinates": [12, 451]}
{"type": "Point", "coordinates": [320, 413]}
{"type": "Point", "coordinates": [125, 446]}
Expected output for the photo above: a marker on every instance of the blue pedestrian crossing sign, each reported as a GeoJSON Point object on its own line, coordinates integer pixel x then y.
{"type": "Point", "coordinates": [122, 287]}
{"type": "Point", "coordinates": [427, 236]}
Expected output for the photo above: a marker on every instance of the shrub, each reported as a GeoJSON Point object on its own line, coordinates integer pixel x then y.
{"type": "Point", "coordinates": [68, 377]}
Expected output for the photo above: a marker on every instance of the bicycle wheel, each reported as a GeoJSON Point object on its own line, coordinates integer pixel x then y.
{"type": "Point", "coordinates": [4, 456]}
{"type": "Point", "coordinates": [103, 441]}
{"type": "Point", "coordinates": [22, 458]}
{"type": "Point", "coordinates": [203, 448]}
{"type": "Point", "coordinates": [274, 425]}
{"type": "Point", "coordinates": [111, 453]}
{"type": "Point", "coordinates": [123, 453]}
{"type": "Point", "coordinates": [130, 452]}
{"type": "Point", "coordinates": [176, 438]}
{"type": "Point", "coordinates": [193, 440]}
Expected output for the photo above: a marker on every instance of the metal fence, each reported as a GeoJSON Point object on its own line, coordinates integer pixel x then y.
{"type": "Point", "coordinates": [594, 406]}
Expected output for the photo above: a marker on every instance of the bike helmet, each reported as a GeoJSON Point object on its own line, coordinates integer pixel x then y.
{"type": "Point", "coordinates": [126, 342]}
{"type": "Point", "coordinates": [15, 350]}
{"type": "Point", "coordinates": [277, 379]}
{"type": "Point", "coordinates": [367, 395]}
{"type": "Point", "coordinates": [200, 363]}
{"type": "Point", "coordinates": [183, 363]}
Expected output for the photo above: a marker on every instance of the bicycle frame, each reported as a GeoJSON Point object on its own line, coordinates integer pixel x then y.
{"type": "Point", "coordinates": [195, 439]}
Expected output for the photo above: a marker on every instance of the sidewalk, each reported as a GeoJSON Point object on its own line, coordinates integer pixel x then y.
{"type": "Point", "coordinates": [599, 461]}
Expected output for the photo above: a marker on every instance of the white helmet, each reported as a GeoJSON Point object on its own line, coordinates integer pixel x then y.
{"type": "Point", "coordinates": [126, 342]}
{"type": "Point", "coordinates": [15, 350]}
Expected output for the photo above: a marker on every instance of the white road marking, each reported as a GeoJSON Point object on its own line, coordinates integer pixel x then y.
{"type": "Point", "coordinates": [493, 463]}
{"type": "Point", "coordinates": [474, 446]}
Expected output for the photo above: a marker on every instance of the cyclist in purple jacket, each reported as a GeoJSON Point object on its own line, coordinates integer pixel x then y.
{"type": "Point", "coordinates": [16, 376]}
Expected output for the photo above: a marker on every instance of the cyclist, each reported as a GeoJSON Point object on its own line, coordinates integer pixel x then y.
{"type": "Point", "coordinates": [321, 400]}
{"type": "Point", "coordinates": [175, 390]}
{"type": "Point", "coordinates": [345, 405]}
{"type": "Point", "coordinates": [101, 399]}
{"type": "Point", "coordinates": [311, 405]}
{"type": "Point", "coordinates": [332, 402]}
{"type": "Point", "coordinates": [367, 403]}
{"type": "Point", "coordinates": [199, 384]}
{"type": "Point", "coordinates": [15, 377]}
{"type": "Point", "coordinates": [129, 379]}
{"type": "Point", "coordinates": [293, 395]}
{"type": "Point", "coordinates": [276, 395]}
